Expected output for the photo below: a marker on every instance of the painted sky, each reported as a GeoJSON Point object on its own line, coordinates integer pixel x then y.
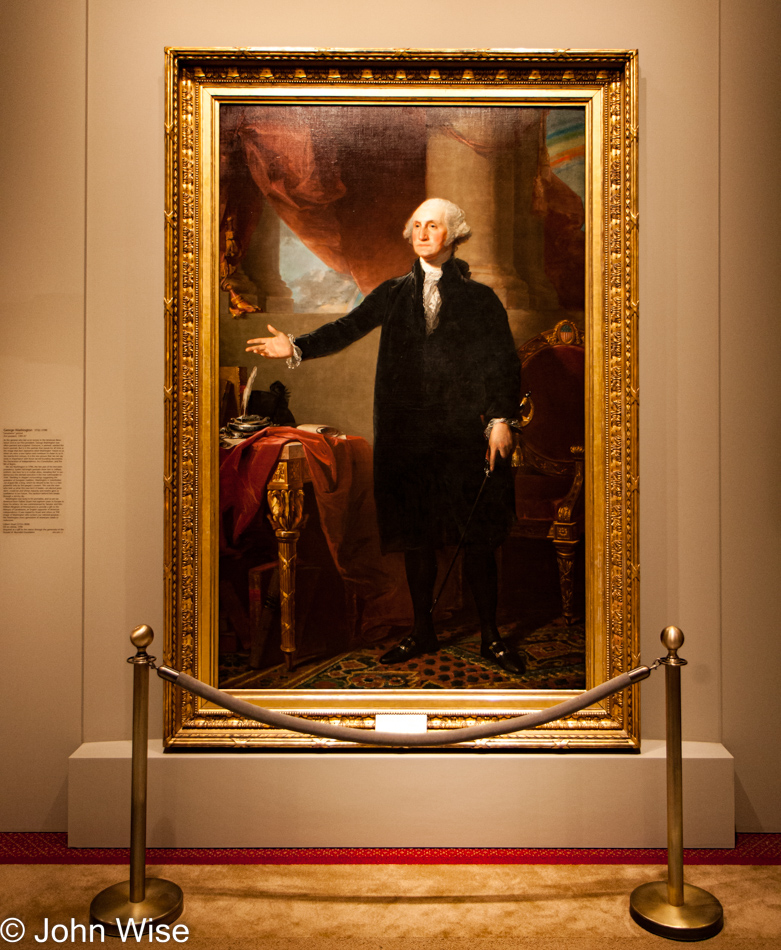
{"type": "Point", "coordinates": [566, 141]}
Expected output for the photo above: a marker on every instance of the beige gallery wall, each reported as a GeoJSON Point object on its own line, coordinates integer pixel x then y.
{"type": "Point", "coordinates": [42, 208]}
{"type": "Point", "coordinates": [750, 406]}
{"type": "Point", "coordinates": [86, 290]}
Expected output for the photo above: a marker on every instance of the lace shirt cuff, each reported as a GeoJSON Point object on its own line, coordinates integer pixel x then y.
{"type": "Point", "coordinates": [293, 361]}
{"type": "Point", "coordinates": [512, 423]}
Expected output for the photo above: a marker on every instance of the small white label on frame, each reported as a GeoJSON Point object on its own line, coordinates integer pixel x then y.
{"type": "Point", "coordinates": [401, 722]}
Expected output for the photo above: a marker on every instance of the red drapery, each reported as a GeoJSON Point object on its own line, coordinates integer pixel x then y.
{"type": "Point", "coordinates": [344, 180]}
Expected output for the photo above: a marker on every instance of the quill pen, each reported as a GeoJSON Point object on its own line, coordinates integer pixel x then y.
{"type": "Point", "coordinates": [248, 391]}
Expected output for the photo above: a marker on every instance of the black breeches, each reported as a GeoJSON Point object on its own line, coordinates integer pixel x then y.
{"type": "Point", "coordinates": [481, 576]}
{"type": "Point", "coordinates": [421, 567]}
{"type": "Point", "coordinates": [483, 579]}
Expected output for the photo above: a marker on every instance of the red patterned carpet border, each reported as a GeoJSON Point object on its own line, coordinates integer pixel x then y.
{"type": "Point", "coordinates": [52, 848]}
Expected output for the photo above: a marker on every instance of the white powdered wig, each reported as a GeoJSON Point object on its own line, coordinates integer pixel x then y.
{"type": "Point", "coordinates": [454, 218]}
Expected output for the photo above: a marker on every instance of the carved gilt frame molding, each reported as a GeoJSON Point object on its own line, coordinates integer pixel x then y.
{"type": "Point", "coordinates": [605, 82]}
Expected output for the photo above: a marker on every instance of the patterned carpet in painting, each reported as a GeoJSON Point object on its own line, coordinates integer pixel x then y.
{"type": "Point", "coordinates": [554, 656]}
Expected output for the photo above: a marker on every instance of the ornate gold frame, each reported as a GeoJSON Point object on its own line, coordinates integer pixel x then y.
{"type": "Point", "coordinates": [605, 82]}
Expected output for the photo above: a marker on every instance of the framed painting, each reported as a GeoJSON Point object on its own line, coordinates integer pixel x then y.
{"type": "Point", "coordinates": [366, 250]}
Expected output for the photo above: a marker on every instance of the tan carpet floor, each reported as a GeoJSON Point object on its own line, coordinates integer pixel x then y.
{"type": "Point", "coordinates": [385, 907]}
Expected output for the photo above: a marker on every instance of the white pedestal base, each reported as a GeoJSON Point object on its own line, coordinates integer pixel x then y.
{"type": "Point", "coordinates": [386, 799]}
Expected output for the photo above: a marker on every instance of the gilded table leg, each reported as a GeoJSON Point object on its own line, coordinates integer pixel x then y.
{"type": "Point", "coordinates": [286, 513]}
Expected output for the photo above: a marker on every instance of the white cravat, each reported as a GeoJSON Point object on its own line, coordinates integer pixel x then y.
{"type": "Point", "coordinates": [431, 299]}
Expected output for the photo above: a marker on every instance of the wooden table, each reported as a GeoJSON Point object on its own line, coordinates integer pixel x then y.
{"type": "Point", "coordinates": [283, 481]}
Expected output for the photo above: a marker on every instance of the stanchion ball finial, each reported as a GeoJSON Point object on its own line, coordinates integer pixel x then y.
{"type": "Point", "coordinates": [142, 636]}
{"type": "Point", "coordinates": [672, 638]}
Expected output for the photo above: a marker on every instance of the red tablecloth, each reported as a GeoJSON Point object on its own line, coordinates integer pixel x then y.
{"type": "Point", "coordinates": [341, 470]}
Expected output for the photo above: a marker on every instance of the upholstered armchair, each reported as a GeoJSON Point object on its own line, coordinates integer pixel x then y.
{"type": "Point", "coordinates": [549, 459]}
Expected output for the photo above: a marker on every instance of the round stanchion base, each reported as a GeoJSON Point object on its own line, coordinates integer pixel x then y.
{"type": "Point", "coordinates": [162, 904]}
{"type": "Point", "coordinates": [699, 917]}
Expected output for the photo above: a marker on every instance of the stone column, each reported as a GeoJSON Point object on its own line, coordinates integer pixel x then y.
{"type": "Point", "coordinates": [471, 160]}
{"type": "Point", "coordinates": [261, 264]}
{"type": "Point", "coordinates": [529, 243]}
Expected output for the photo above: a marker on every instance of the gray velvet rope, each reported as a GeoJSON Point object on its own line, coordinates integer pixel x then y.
{"type": "Point", "coordinates": [370, 737]}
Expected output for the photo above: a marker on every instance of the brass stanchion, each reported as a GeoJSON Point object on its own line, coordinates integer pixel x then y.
{"type": "Point", "coordinates": [673, 909]}
{"type": "Point", "coordinates": [147, 901]}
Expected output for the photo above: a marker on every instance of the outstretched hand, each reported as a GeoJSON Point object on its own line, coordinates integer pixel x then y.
{"type": "Point", "coordinates": [276, 347]}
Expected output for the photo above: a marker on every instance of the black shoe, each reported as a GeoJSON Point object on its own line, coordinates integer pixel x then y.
{"type": "Point", "coordinates": [503, 656]}
{"type": "Point", "coordinates": [409, 648]}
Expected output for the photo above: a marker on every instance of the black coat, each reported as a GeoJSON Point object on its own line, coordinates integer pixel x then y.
{"type": "Point", "coordinates": [433, 396]}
